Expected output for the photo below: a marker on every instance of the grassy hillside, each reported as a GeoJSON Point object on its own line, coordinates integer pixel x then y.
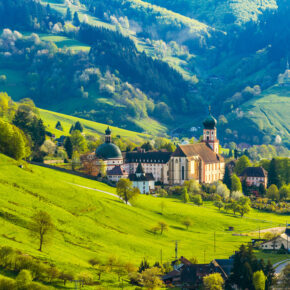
{"type": "Point", "coordinates": [50, 119]}
{"type": "Point", "coordinates": [267, 113]}
{"type": "Point", "coordinates": [93, 224]}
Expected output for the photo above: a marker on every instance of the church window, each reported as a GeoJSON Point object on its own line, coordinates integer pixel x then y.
{"type": "Point", "coordinates": [176, 160]}
{"type": "Point", "coordinates": [192, 166]}
{"type": "Point", "coordinates": [207, 138]}
{"type": "Point", "coordinates": [182, 172]}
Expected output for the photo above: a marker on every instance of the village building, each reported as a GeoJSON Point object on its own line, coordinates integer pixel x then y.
{"type": "Point", "coordinates": [154, 162]}
{"type": "Point", "coordinates": [255, 176]}
{"type": "Point", "coordinates": [278, 243]}
{"type": "Point", "coordinates": [145, 182]}
{"type": "Point", "coordinates": [117, 173]}
{"type": "Point", "coordinates": [190, 276]}
{"type": "Point", "coordinates": [106, 157]}
{"type": "Point", "coordinates": [200, 161]}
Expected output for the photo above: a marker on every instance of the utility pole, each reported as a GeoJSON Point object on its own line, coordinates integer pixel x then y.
{"type": "Point", "coordinates": [214, 245]}
{"type": "Point", "coordinates": [176, 250]}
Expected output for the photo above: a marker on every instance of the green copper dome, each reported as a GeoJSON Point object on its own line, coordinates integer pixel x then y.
{"type": "Point", "coordinates": [210, 122]}
{"type": "Point", "coordinates": [108, 151]}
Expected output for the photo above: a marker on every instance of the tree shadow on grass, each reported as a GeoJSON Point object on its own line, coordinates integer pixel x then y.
{"type": "Point", "coordinates": [178, 228]}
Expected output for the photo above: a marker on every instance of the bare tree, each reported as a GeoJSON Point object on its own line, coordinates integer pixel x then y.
{"type": "Point", "coordinates": [42, 227]}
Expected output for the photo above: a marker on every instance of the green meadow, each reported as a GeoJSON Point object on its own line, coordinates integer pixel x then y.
{"type": "Point", "coordinates": [64, 42]}
{"type": "Point", "coordinates": [90, 127]}
{"type": "Point", "coordinates": [90, 223]}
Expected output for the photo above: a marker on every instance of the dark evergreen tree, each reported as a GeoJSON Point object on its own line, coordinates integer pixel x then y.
{"type": "Point", "coordinates": [78, 126]}
{"type": "Point", "coordinates": [262, 189]}
{"type": "Point", "coordinates": [58, 126]}
{"type": "Point", "coordinates": [68, 16]}
{"type": "Point", "coordinates": [147, 146]}
{"type": "Point", "coordinates": [236, 153]}
{"type": "Point", "coordinates": [71, 129]}
{"type": "Point", "coordinates": [143, 266]}
{"type": "Point", "coordinates": [245, 186]}
{"type": "Point", "coordinates": [37, 132]}
{"type": "Point", "coordinates": [34, 127]}
{"type": "Point", "coordinates": [68, 147]}
{"type": "Point", "coordinates": [227, 178]}
{"type": "Point", "coordinates": [270, 274]}
{"type": "Point", "coordinates": [76, 20]}
{"type": "Point", "coordinates": [242, 272]}
{"type": "Point", "coordinates": [273, 177]}
{"type": "Point", "coordinates": [22, 120]}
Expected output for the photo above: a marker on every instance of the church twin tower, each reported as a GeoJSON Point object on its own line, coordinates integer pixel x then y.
{"type": "Point", "coordinates": [210, 133]}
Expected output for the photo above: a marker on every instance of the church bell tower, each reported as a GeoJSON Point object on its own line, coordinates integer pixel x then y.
{"type": "Point", "coordinates": [108, 137]}
{"type": "Point", "coordinates": [210, 132]}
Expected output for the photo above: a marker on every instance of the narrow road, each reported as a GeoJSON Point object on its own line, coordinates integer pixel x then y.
{"type": "Point", "coordinates": [280, 266]}
{"type": "Point", "coordinates": [106, 192]}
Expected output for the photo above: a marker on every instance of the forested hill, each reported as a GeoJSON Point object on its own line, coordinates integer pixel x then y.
{"type": "Point", "coordinates": [134, 63]}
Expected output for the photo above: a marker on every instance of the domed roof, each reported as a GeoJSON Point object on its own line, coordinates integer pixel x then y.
{"type": "Point", "coordinates": [108, 151]}
{"type": "Point", "coordinates": [210, 122]}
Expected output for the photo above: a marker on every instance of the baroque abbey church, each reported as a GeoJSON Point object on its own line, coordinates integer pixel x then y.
{"type": "Point", "coordinates": [200, 161]}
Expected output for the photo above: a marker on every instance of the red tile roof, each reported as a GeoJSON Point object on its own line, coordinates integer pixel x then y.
{"type": "Point", "coordinates": [199, 149]}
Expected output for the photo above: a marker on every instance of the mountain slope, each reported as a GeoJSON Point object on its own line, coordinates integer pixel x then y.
{"type": "Point", "coordinates": [219, 14]}
{"type": "Point", "coordinates": [267, 114]}
{"type": "Point", "coordinates": [93, 224]}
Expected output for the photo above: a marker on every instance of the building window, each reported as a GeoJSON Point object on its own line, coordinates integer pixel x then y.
{"type": "Point", "coordinates": [182, 172]}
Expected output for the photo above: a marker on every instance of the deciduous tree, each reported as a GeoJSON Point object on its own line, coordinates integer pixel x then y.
{"type": "Point", "coordinates": [273, 192]}
{"type": "Point", "coordinates": [259, 280]}
{"type": "Point", "coordinates": [242, 163]}
{"type": "Point", "coordinates": [163, 227]}
{"type": "Point", "coordinates": [42, 227]}
{"type": "Point", "coordinates": [126, 191]}
{"type": "Point", "coordinates": [213, 281]}
{"type": "Point", "coordinates": [236, 183]}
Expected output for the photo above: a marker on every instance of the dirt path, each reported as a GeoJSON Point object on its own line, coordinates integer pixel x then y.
{"type": "Point", "coordinates": [94, 189]}
{"type": "Point", "coordinates": [280, 266]}
{"type": "Point", "coordinates": [276, 230]}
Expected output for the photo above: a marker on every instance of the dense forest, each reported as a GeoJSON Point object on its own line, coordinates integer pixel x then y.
{"type": "Point", "coordinates": [129, 73]}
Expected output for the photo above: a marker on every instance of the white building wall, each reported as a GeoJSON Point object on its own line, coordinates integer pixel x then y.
{"type": "Point", "coordinates": [156, 169]}
{"type": "Point", "coordinates": [143, 186]}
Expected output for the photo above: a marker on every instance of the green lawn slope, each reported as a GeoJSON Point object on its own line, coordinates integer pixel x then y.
{"type": "Point", "coordinates": [267, 114]}
{"type": "Point", "coordinates": [90, 223]}
{"type": "Point", "coordinates": [90, 127]}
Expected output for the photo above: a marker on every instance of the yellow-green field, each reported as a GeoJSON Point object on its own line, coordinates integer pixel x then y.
{"type": "Point", "coordinates": [51, 118]}
{"type": "Point", "coordinates": [94, 224]}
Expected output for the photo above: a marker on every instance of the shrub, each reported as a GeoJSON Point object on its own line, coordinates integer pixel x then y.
{"type": "Point", "coordinates": [236, 195]}
{"type": "Point", "coordinates": [86, 277]}
{"type": "Point", "coordinates": [7, 284]}
{"type": "Point", "coordinates": [23, 279]}
{"type": "Point", "coordinates": [273, 192]}
{"type": "Point", "coordinates": [196, 199]}
{"type": "Point", "coordinates": [223, 191]}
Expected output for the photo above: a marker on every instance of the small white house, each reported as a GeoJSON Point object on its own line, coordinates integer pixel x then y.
{"type": "Point", "coordinates": [143, 181]}
{"type": "Point", "coordinates": [280, 242]}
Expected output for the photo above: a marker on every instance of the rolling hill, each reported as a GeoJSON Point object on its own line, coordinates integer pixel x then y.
{"type": "Point", "coordinates": [51, 118]}
{"type": "Point", "coordinates": [267, 114]}
{"type": "Point", "coordinates": [112, 68]}
{"type": "Point", "coordinates": [92, 223]}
